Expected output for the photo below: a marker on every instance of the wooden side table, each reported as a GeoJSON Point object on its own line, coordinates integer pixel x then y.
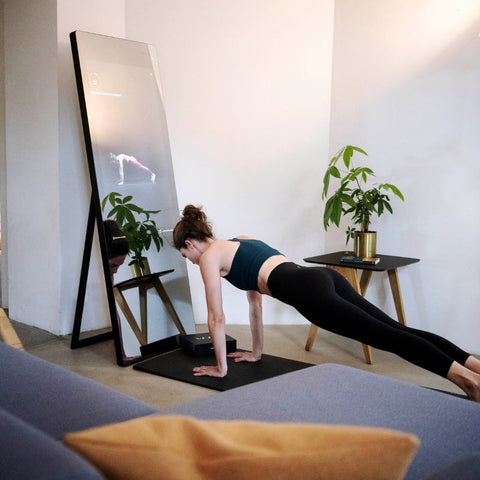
{"type": "Point", "coordinates": [387, 263]}
{"type": "Point", "coordinates": [144, 283]}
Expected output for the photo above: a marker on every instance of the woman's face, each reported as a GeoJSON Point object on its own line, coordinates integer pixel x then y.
{"type": "Point", "coordinates": [191, 252]}
{"type": "Point", "coordinates": [115, 262]}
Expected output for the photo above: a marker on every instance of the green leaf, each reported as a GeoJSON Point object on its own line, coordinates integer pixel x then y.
{"type": "Point", "coordinates": [358, 149]}
{"type": "Point", "coordinates": [148, 241]}
{"type": "Point", "coordinates": [134, 208]}
{"type": "Point", "coordinates": [327, 214]}
{"type": "Point", "coordinates": [114, 198]}
{"type": "Point", "coordinates": [350, 234]}
{"type": "Point", "coordinates": [364, 172]}
{"type": "Point", "coordinates": [393, 188]}
{"type": "Point", "coordinates": [326, 183]}
{"type": "Point", "coordinates": [331, 171]}
{"type": "Point", "coordinates": [337, 210]}
{"type": "Point", "coordinates": [128, 216]}
{"type": "Point", "coordinates": [114, 211]}
{"type": "Point", "coordinates": [158, 242]}
{"type": "Point", "coordinates": [335, 159]}
{"type": "Point", "coordinates": [347, 155]}
{"type": "Point", "coordinates": [109, 198]}
{"type": "Point", "coordinates": [380, 207]}
{"type": "Point", "coordinates": [334, 172]}
{"type": "Point", "coordinates": [348, 199]}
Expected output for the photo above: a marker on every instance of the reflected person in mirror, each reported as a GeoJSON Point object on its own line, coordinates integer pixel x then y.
{"type": "Point", "coordinates": [117, 245]}
{"type": "Point", "coordinates": [117, 251]}
{"type": "Point", "coordinates": [320, 294]}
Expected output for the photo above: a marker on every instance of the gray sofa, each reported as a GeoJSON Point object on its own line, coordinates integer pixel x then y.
{"type": "Point", "coordinates": [40, 402]}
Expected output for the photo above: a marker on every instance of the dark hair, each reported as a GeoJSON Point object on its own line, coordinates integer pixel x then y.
{"type": "Point", "coordinates": [117, 243]}
{"type": "Point", "coordinates": [193, 225]}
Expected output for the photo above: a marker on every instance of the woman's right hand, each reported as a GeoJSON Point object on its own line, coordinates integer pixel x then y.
{"type": "Point", "coordinates": [244, 357]}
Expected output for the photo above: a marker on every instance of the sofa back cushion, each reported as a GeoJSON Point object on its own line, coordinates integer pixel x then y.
{"type": "Point", "coordinates": [29, 453]}
{"type": "Point", "coordinates": [55, 400]}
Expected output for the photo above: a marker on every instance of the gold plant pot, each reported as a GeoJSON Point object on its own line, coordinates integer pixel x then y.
{"type": "Point", "coordinates": [365, 244]}
{"type": "Point", "coordinates": [137, 271]}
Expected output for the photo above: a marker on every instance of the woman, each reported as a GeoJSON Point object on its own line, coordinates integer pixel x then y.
{"type": "Point", "coordinates": [320, 294]}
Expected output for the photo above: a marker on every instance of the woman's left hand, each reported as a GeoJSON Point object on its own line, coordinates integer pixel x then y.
{"type": "Point", "coordinates": [204, 371]}
{"type": "Point", "coordinates": [244, 356]}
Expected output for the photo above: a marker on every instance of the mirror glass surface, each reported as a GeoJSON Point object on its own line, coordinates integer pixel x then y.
{"type": "Point", "coordinates": [131, 155]}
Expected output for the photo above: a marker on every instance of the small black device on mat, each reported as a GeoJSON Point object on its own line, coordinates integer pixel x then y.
{"type": "Point", "coordinates": [201, 343]}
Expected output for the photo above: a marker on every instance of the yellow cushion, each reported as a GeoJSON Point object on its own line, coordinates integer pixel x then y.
{"type": "Point", "coordinates": [177, 447]}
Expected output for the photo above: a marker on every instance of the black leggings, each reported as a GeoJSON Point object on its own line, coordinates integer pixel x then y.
{"type": "Point", "coordinates": [327, 299]}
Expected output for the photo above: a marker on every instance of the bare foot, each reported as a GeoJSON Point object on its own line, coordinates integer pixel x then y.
{"type": "Point", "coordinates": [467, 380]}
{"type": "Point", "coordinates": [473, 364]}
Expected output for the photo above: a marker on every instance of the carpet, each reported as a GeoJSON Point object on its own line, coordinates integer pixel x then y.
{"type": "Point", "coordinates": [178, 365]}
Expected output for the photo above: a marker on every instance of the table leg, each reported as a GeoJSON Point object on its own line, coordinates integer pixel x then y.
{"type": "Point", "coordinates": [367, 353]}
{"type": "Point", "coordinates": [397, 295]}
{"type": "Point", "coordinates": [122, 303]}
{"type": "Point", "coordinates": [312, 333]}
{"type": "Point", "coordinates": [365, 281]}
{"type": "Point", "coordinates": [168, 304]}
{"type": "Point", "coordinates": [142, 298]}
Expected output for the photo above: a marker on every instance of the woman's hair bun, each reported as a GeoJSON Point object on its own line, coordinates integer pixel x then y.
{"type": "Point", "coordinates": [195, 214]}
{"type": "Point", "coordinates": [193, 225]}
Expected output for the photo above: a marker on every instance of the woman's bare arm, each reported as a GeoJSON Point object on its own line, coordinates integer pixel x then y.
{"type": "Point", "coordinates": [256, 326]}
{"type": "Point", "coordinates": [210, 270]}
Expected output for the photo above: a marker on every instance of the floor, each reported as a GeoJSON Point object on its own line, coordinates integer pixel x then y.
{"type": "Point", "coordinates": [98, 361]}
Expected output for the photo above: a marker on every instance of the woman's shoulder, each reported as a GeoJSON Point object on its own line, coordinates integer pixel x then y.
{"type": "Point", "coordinates": [218, 256]}
{"type": "Point", "coordinates": [245, 237]}
{"type": "Point", "coordinates": [217, 250]}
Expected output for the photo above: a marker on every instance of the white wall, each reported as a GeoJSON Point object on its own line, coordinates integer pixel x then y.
{"type": "Point", "coordinates": [3, 180]}
{"type": "Point", "coordinates": [247, 93]}
{"type": "Point", "coordinates": [406, 88]}
{"type": "Point", "coordinates": [31, 106]}
{"type": "Point", "coordinates": [48, 193]}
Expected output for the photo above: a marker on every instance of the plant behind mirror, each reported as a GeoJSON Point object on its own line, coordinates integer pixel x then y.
{"type": "Point", "coordinates": [353, 196]}
{"type": "Point", "coordinates": [141, 231]}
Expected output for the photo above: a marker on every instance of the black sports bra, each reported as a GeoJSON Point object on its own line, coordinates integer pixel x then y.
{"type": "Point", "coordinates": [246, 264]}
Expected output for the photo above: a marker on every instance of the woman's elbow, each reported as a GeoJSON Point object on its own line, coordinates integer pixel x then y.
{"type": "Point", "coordinates": [216, 320]}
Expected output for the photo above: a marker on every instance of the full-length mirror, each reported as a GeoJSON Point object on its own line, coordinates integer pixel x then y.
{"type": "Point", "coordinates": [130, 163]}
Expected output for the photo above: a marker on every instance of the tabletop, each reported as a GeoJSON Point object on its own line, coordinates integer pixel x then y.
{"type": "Point", "coordinates": [387, 262]}
{"type": "Point", "coordinates": [137, 281]}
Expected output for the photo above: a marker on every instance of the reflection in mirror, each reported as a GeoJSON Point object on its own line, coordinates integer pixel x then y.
{"type": "Point", "coordinates": [132, 181]}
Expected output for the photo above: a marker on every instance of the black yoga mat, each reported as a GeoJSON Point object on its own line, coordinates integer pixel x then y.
{"type": "Point", "coordinates": [178, 365]}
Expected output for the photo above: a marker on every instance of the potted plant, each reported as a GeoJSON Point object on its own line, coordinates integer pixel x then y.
{"type": "Point", "coordinates": [355, 197]}
{"type": "Point", "coordinates": [141, 231]}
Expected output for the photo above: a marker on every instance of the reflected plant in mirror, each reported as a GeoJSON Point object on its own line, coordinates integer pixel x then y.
{"type": "Point", "coordinates": [139, 228]}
